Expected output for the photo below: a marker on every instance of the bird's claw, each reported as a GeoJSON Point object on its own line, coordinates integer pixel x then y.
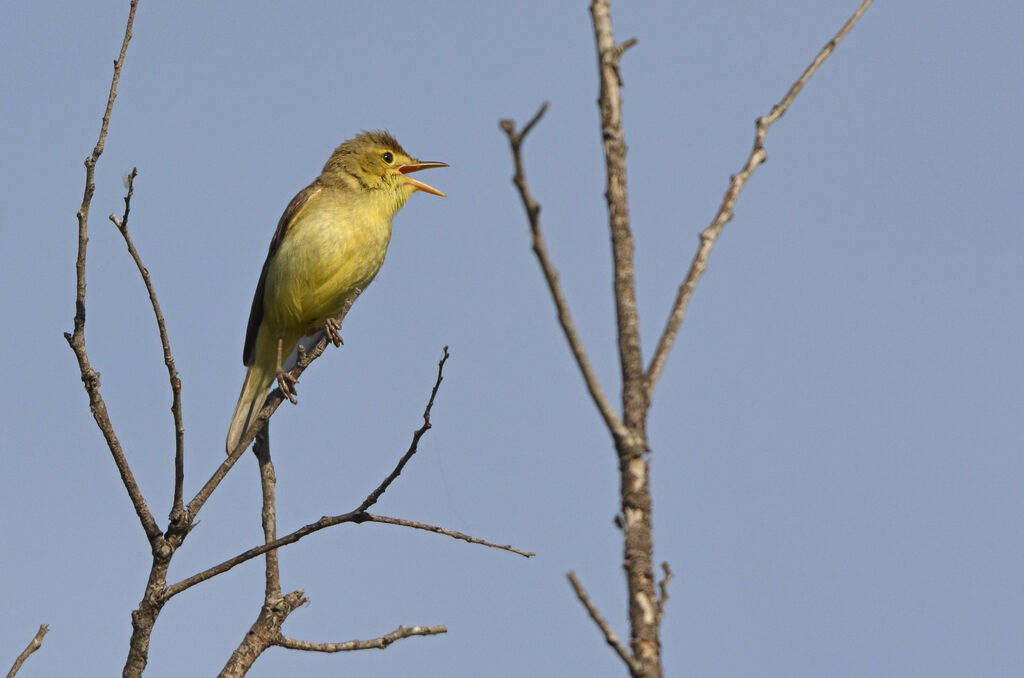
{"type": "Point", "coordinates": [287, 382]}
{"type": "Point", "coordinates": [332, 327]}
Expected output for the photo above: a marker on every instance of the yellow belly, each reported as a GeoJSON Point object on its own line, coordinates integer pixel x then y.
{"type": "Point", "coordinates": [330, 249]}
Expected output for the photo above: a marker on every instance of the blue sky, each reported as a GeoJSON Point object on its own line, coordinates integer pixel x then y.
{"type": "Point", "coordinates": [836, 438]}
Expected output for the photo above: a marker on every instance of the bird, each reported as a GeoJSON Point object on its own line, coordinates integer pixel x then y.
{"type": "Point", "coordinates": [329, 243]}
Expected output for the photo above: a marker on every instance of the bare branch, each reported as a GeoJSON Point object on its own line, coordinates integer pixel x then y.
{"type": "Point", "coordinates": [276, 607]}
{"type": "Point", "coordinates": [144, 617]}
{"type": "Point", "coordinates": [76, 339]}
{"type": "Point", "coordinates": [604, 406]}
{"type": "Point", "coordinates": [261, 634]}
{"type": "Point", "coordinates": [634, 471]}
{"type": "Point", "coordinates": [374, 644]}
{"type": "Point", "coordinates": [646, 597]}
{"type": "Point", "coordinates": [609, 635]}
{"type": "Point", "coordinates": [268, 483]}
{"type": "Point", "coordinates": [373, 518]}
{"type": "Point", "coordinates": [33, 645]}
{"type": "Point", "coordinates": [372, 498]}
{"type": "Point", "coordinates": [358, 515]}
{"type": "Point", "coordinates": [634, 395]}
{"type": "Point", "coordinates": [323, 523]}
{"type": "Point", "coordinates": [621, 48]}
{"type": "Point", "coordinates": [509, 127]}
{"type": "Point", "coordinates": [209, 573]}
{"type": "Point", "coordinates": [172, 372]}
{"type": "Point", "coordinates": [725, 211]}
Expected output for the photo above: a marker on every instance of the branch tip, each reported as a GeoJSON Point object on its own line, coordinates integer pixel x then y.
{"type": "Point", "coordinates": [663, 589]}
{"type": "Point", "coordinates": [509, 126]}
{"type": "Point", "coordinates": [33, 645]}
{"type": "Point", "coordinates": [623, 46]}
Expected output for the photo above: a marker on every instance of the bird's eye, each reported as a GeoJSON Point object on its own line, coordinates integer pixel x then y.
{"type": "Point", "coordinates": [388, 157]}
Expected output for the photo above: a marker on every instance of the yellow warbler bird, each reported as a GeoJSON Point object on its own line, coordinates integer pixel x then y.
{"type": "Point", "coordinates": [330, 241]}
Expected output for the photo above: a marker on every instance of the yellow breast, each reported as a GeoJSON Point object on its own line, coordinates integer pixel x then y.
{"type": "Point", "coordinates": [336, 243]}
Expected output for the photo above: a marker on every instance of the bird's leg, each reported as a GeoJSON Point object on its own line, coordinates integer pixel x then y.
{"type": "Point", "coordinates": [332, 327]}
{"type": "Point", "coordinates": [285, 380]}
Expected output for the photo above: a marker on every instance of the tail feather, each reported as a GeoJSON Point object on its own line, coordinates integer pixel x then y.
{"type": "Point", "coordinates": [250, 402]}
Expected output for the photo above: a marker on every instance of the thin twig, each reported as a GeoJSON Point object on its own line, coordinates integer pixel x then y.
{"type": "Point", "coordinates": [663, 589]}
{"type": "Point", "coordinates": [374, 644]}
{"type": "Point", "coordinates": [323, 523]}
{"type": "Point", "coordinates": [373, 518]}
{"type": "Point", "coordinates": [609, 635]}
{"type": "Point", "coordinates": [33, 645]}
{"type": "Point", "coordinates": [604, 406]}
{"type": "Point", "coordinates": [172, 372]}
{"type": "Point", "coordinates": [372, 498]}
{"type": "Point", "coordinates": [291, 538]}
{"type": "Point", "coordinates": [76, 339]}
{"type": "Point", "coordinates": [725, 211]}
{"type": "Point", "coordinates": [276, 607]}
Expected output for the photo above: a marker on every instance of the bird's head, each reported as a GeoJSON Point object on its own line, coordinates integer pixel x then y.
{"type": "Point", "coordinates": [375, 161]}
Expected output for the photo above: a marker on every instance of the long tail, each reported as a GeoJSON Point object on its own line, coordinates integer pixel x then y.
{"type": "Point", "coordinates": [250, 401]}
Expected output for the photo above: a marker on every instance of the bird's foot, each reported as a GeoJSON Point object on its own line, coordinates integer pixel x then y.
{"type": "Point", "coordinates": [287, 382]}
{"type": "Point", "coordinates": [332, 327]}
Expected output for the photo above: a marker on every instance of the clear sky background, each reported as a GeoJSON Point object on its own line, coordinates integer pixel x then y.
{"type": "Point", "coordinates": [837, 448]}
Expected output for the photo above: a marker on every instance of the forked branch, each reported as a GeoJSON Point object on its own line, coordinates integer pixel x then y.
{"type": "Point", "coordinates": [356, 516]}
{"type": "Point", "coordinates": [76, 338]}
{"type": "Point", "coordinates": [646, 598]}
{"type": "Point", "coordinates": [579, 353]}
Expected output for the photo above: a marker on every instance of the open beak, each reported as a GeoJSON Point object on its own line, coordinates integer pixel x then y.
{"type": "Point", "coordinates": [418, 185]}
